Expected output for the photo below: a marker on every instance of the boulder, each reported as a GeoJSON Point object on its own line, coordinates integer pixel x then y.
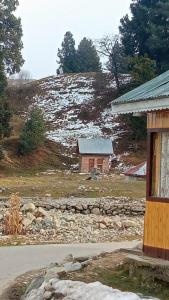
{"type": "Point", "coordinates": [48, 221]}
{"type": "Point", "coordinates": [68, 258]}
{"type": "Point", "coordinates": [30, 216]}
{"type": "Point", "coordinates": [26, 222]}
{"type": "Point", "coordinates": [39, 220]}
{"type": "Point", "coordinates": [71, 267]}
{"type": "Point", "coordinates": [53, 273]}
{"type": "Point", "coordinates": [95, 211]}
{"type": "Point", "coordinates": [81, 259]}
{"type": "Point", "coordinates": [47, 295]}
{"type": "Point", "coordinates": [56, 222]}
{"type": "Point", "coordinates": [116, 224]}
{"type": "Point", "coordinates": [48, 195]}
{"type": "Point", "coordinates": [29, 207]}
{"type": "Point", "coordinates": [79, 207]}
{"type": "Point", "coordinates": [128, 223]}
{"type": "Point", "coordinates": [40, 212]}
{"type": "Point", "coordinates": [103, 226]}
{"type": "Point", "coordinates": [35, 284]}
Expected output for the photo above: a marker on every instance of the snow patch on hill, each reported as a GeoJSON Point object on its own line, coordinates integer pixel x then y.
{"type": "Point", "coordinates": [61, 98]}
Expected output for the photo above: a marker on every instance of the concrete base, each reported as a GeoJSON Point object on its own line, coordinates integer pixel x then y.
{"type": "Point", "coordinates": [147, 268]}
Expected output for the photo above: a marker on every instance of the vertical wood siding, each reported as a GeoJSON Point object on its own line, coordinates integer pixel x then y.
{"type": "Point", "coordinates": [156, 229]}
{"type": "Point", "coordinates": [156, 224]}
{"type": "Point", "coordinates": [158, 119]}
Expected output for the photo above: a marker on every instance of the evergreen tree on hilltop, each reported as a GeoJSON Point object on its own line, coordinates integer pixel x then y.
{"type": "Point", "coordinates": [67, 54]}
{"type": "Point", "coordinates": [88, 59]}
{"type": "Point", "coordinates": [146, 32]}
{"type": "Point", "coordinates": [10, 36]}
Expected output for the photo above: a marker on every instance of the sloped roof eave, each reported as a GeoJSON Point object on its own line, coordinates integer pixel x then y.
{"type": "Point", "coordinates": [143, 106]}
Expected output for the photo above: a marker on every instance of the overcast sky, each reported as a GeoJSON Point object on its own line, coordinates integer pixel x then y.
{"type": "Point", "coordinates": [46, 21]}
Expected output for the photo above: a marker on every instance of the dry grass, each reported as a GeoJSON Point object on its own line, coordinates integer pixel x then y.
{"type": "Point", "coordinates": [63, 185]}
{"type": "Point", "coordinates": [13, 217]}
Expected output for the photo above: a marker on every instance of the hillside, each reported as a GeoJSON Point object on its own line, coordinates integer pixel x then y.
{"type": "Point", "coordinates": [74, 105]}
{"type": "Point", "coordinates": [62, 99]}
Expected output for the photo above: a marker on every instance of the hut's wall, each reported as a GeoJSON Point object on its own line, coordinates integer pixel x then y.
{"type": "Point", "coordinates": [156, 226]}
{"type": "Point", "coordinates": [156, 229]}
{"type": "Point", "coordinates": [159, 119]}
{"type": "Point", "coordinates": [88, 162]}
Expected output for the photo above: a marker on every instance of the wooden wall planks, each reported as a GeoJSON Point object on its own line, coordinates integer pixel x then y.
{"type": "Point", "coordinates": [156, 224]}
{"type": "Point", "coordinates": [159, 119]}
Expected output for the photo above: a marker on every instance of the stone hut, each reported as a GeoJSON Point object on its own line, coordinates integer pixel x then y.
{"type": "Point", "coordinates": [94, 154]}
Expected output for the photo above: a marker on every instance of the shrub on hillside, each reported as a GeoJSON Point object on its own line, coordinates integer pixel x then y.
{"type": "Point", "coordinates": [33, 133]}
{"type": "Point", "coordinates": [1, 153]}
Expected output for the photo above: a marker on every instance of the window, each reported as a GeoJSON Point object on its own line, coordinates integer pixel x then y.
{"type": "Point", "coordinates": [100, 164]}
{"type": "Point", "coordinates": [91, 164]}
{"type": "Point", "coordinates": [159, 164]}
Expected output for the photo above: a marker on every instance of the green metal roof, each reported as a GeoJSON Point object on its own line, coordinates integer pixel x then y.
{"type": "Point", "coordinates": [95, 146]}
{"type": "Point", "coordinates": [154, 89]}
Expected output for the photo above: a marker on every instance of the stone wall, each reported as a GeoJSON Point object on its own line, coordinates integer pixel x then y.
{"type": "Point", "coordinates": [78, 220]}
{"type": "Point", "coordinates": [100, 206]}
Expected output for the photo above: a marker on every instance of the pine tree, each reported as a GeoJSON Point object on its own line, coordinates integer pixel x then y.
{"type": "Point", "coordinates": [10, 36]}
{"type": "Point", "coordinates": [33, 133]}
{"type": "Point", "coordinates": [146, 32]}
{"type": "Point", "coordinates": [142, 69]}
{"type": "Point", "coordinates": [88, 59]}
{"type": "Point", "coordinates": [67, 54]}
{"type": "Point", "coordinates": [5, 113]}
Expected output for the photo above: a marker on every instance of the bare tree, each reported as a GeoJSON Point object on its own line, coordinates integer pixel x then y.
{"type": "Point", "coordinates": [111, 48]}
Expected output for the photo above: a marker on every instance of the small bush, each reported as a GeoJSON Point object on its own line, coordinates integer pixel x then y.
{"type": "Point", "coordinates": [1, 153]}
{"type": "Point", "coordinates": [13, 218]}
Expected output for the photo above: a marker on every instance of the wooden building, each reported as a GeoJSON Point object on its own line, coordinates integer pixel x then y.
{"type": "Point", "coordinates": [94, 154]}
{"type": "Point", "coordinates": [152, 98]}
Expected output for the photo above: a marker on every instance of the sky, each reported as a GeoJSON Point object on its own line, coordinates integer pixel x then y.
{"type": "Point", "coordinates": [45, 22]}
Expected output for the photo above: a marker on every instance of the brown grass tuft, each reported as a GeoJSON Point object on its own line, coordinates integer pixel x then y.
{"type": "Point", "coordinates": [13, 218]}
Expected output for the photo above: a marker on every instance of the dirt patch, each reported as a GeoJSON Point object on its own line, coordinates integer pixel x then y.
{"type": "Point", "coordinates": [18, 287]}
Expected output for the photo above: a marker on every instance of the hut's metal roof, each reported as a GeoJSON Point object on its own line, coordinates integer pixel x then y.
{"type": "Point", "coordinates": [138, 171]}
{"type": "Point", "coordinates": [152, 95]}
{"type": "Point", "coordinates": [95, 146]}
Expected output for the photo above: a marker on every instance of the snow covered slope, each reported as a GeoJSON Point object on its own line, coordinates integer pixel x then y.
{"type": "Point", "coordinates": [62, 98]}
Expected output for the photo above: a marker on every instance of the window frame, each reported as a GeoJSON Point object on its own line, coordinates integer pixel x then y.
{"type": "Point", "coordinates": [150, 133]}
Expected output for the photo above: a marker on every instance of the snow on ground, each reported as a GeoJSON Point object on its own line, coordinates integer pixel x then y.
{"type": "Point", "coordinates": [61, 98]}
{"type": "Point", "coordinates": [75, 290]}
